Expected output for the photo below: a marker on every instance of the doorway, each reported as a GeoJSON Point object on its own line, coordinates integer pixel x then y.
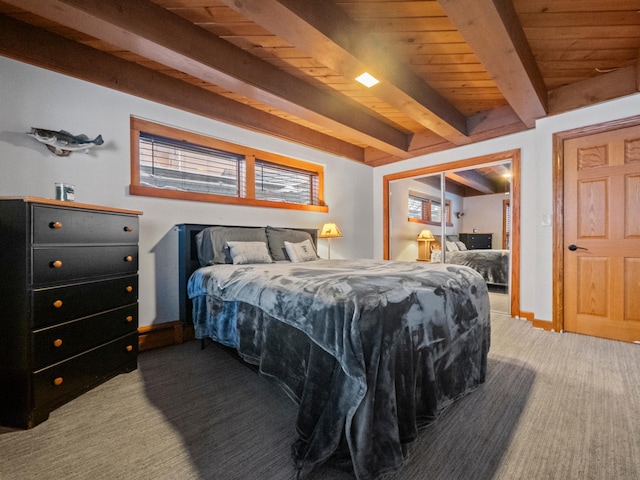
{"type": "Point", "coordinates": [446, 210]}
{"type": "Point", "coordinates": [597, 230]}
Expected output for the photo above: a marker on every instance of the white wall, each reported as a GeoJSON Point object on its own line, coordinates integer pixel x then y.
{"type": "Point", "coordinates": [484, 214]}
{"type": "Point", "coordinates": [536, 191]}
{"type": "Point", "coordinates": [33, 97]}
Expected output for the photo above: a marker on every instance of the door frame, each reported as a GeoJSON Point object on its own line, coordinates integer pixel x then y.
{"type": "Point", "coordinates": [514, 157]}
{"type": "Point", "coordinates": [505, 243]}
{"type": "Point", "coordinates": [558, 208]}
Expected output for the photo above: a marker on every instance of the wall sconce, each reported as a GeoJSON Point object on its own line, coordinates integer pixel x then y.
{"type": "Point", "coordinates": [329, 231]}
{"type": "Point", "coordinates": [424, 246]}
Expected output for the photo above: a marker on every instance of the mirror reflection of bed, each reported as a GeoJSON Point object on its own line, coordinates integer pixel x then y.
{"type": "Point", "coordinates": [472, 220]}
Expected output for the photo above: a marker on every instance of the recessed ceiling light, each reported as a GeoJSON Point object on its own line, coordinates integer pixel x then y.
{"type": "Point", "coordinates": [367, 80]}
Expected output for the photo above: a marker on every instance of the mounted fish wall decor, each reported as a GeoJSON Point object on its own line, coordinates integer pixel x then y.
{"type": "Point", "coordinates": [62, 143]}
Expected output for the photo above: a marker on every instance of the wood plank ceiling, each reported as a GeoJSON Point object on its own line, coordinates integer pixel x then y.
{"type": "Point", "coordinates": [451, 72]}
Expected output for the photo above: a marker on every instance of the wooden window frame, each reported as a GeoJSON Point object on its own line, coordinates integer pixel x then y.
{"type": "Point", "coordinates": [426, 206]}
{"type": "Point", "coordinates": [250, 154]}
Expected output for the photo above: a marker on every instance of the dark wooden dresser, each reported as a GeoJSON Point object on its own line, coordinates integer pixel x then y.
{"type": "Point", "coordinates": [68, 302]}
{"type": "Point", "coordinates": [475, 241]}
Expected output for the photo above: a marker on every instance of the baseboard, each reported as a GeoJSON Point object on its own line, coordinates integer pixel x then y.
{"type": "Point", "coordinates": [164, 335]}
{"type": "Point", "coordinates": [530, 317]}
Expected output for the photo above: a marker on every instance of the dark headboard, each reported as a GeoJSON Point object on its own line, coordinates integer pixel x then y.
{"type": "Point", "coordinates": [188, 260]}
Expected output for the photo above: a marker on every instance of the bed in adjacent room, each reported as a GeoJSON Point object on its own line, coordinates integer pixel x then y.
{"type": "Point", "coordinates": [493, 265]}
{"type": "Point", "coordinates": [370, 351]}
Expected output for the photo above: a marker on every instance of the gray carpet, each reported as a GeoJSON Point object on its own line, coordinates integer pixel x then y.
{"type": "Point", "coordinates": [555, 406]}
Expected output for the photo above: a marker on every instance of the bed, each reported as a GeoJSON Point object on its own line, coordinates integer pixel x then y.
{"type": "Point", "coordinates": [493, 265]}
{"type": "Point", "coordinates": [370, 351]}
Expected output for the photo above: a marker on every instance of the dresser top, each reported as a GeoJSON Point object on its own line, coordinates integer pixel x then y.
{"type": "Point", "coordinates": [61, 203]}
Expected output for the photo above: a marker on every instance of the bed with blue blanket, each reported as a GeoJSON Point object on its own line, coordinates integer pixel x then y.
{"type": "Point", "coordinates": [493, 265]}
{"type": "Point", "coordinates": [370, 351]}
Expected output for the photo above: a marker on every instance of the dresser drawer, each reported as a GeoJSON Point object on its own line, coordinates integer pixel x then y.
{"type": "Point", "coordinates": [56, 343]}
{"type": "Point", "coordinates": [63, 264]}
{"type": "Point", "coordinates": [475, 241]}
{"type": "Point", "coordinates": [56, 305]}
{"type": "Point", "coordinates": [59, 225]}
{"type": "Point", "coordinates": [55, 384]}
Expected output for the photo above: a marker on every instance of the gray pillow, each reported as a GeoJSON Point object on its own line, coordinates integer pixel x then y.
{"type": "Point", "coordinates": [277, 237]}
{"type": "Point", "coordinates": [211, 242]}
{"type": "Point", "coordinates": [248, 252]}
{"type": "Point", "coordinates": [451, 246]}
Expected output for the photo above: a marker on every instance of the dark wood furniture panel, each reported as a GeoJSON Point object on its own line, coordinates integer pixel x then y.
{"type": "Point", "coordinates": [59, 304]}
{"type": "Point", "coordinates": [54, 344]}
{"type": "Point", "coordinates": [69, 309]}
{"type": "Point", "coordinates": [476, 241]}
{"type": "Point", "coordinates": [55, 225]}
{"type": "Point", "coordinates": [57, 264]}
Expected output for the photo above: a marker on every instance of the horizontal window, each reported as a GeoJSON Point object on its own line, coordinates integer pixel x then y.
{"type": "Point", "coordinates": [171, 163]}
{"type": "Point", "coordinates": [426, 210]}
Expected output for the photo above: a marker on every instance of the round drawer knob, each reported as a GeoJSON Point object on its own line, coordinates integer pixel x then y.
{"type": "Point", "coordinates": [55, 225]}
{"type": "Point", "coordinates": [128, 229]}
{"type": "Point", "coordinates": [57, 342]}
{"type": "Point", "coordinates": [129, 288]}
{"type": "Point", "coordinates": [56, 264]}
{"type": "Point", "coordinates": [129, 318]}
{"type": "Point", "coordinates": [57, 303]}
{"type": "Point", "coordinates": [58, 381]}
{"type": "Point", "coordinates": [129, 348]}
{"type": "Point", "coordinates": [128, 258]}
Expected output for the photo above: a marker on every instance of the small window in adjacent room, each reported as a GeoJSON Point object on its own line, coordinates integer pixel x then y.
{"type": "Point", "coordinates": [427, 210]}
{"type": "Point", "coordinates": [171, 163]}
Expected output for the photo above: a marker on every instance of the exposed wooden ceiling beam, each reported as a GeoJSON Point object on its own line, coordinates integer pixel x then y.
{"type": "Point", "coordinates": [474, 180]}
{"type": "Point", "coordinates": [483, 125]}
{"type": "Point", "coordinates": [37, 47]}
{"type": "Point", "coordinates": [616, 84]}
{"type": "Point", "coordinates": [144, 28]}
{"type": "Point", "coordinates": [493, 31]}
{"type": "Point", "coordinates": [323, 30]}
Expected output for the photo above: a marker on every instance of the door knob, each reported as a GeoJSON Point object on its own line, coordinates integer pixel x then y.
{"type": "Point", "coordinates": [573, 248]}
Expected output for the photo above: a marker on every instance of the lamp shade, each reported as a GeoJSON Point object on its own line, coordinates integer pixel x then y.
{"type": "Point", "coordinates": [329, 230]}
{"type": "Point", "coordinates": [425, 235]}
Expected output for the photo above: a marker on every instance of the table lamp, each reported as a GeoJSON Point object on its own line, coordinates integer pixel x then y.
{"type": "Point", "coordinates": [424, 245]}
{"type": "Point", "coordinates": [329, 231]}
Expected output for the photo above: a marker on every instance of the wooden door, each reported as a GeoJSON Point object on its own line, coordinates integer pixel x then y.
{"type": "Point", "coordinates": [602, 234]}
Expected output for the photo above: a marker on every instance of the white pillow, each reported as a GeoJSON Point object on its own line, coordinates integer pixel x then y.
{"type": "Point", "coordinates": [249, 252]}
{"type": "Point", "coordinates": [301, 252]}
{"type": "Point", "coordinates": [461, 246]}
{"type": "Point", "coordinates": [452, 247]}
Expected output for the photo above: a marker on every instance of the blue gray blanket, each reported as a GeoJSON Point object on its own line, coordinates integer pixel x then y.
{"type": "Point", "coordinates": [493, 265]}
{"type": "Point", "coordinates": [370, 350]}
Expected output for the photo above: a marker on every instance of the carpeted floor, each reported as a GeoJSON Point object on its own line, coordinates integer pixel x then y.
{"type": "Point", "coordinates": [554, 406]}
